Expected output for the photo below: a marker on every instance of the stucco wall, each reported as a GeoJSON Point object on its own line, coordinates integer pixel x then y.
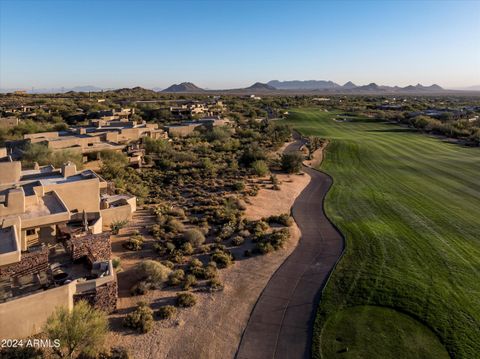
{"type": "Point", "coordinates": [26, 316]}
{"type": "Point", "coordinates": [8, 122]}
{"type": "Point", "coordinates": [115, 214]}
{"type": "Point", "coordinates": [79, 195]}
{"type": "Point", "coordinates": [10, 172]}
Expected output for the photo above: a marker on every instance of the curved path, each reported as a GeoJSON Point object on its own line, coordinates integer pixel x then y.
{"type": "Point", "coordinates": [281, 323]}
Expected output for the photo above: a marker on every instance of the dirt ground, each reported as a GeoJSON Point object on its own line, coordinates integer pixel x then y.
{"type": "Point", "coordinates": [213, 327]}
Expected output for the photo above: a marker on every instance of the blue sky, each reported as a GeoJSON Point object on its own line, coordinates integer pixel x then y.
{"type": "Point", "coordinates": [227, 44]}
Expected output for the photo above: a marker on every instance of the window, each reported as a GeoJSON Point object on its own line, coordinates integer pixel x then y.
{"type": "Point", "coordinates": [30, 232]}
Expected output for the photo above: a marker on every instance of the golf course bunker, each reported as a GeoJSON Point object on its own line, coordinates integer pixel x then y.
{"type": "Point", "coordinates": [378, 332]}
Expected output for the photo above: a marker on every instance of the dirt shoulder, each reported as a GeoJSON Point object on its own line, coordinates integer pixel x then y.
{"type": "Point", "coordinates": [213, 327]}
{"type": "Point", "coordinates": [317, 157]}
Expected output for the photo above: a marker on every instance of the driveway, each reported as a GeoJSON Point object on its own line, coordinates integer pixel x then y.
{"type": "Point", "coordinates": [281, 323]}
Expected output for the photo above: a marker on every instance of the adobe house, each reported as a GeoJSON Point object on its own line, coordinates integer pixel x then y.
{"type": "Point", "coordinates": [53, 248]}
{"type": "Point", "coordinates": [101, 135]}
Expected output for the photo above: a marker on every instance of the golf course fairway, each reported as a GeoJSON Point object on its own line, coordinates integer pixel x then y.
{"type": "Point", "coordinates": [408, 205]}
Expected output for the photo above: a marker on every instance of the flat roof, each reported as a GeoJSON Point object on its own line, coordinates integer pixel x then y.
{"type": "Point", "coordinates": [47, 205]}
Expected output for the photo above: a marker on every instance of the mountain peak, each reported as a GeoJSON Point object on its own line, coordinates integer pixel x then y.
{"type": "Point", "coordinates": [183, 87]}
{"type": "Point", "coordinates": [261, 86]}
{"type": "Point", "coordinates": [349, 85]}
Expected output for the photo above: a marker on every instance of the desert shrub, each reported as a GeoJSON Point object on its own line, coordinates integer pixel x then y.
{"type": "Point", "coordinates": [177, 257]}
{"type": "Point", "coordinates": [238, 240]}
{"type": "Point", "coordinates": [260, 168]}
{"type": "Point", "coordinates": [238, 186]}
{"type": "Point", "coordinates": [278, 238]}
{"type": "Point", "coordinates": [264, 247]}
{"type": "Point", "coordinates": [253, 153]}
{"type": "Point", "coordinates": [292, 162]}
{"type": "Point", "coordinates": [211, 270]}
{"type": "Point", "coordinates": [134, 243]}
{"type": "Point", "coordinates": [153, 272]}
{"type": "Point", "coordinates": [273, 241]}
{"type": "Point", "coordinates": [274, 180]}
{"type": "Point", "coordinates": [222, 259]}
{"type": "Point", "coordinates": [173, 225]}
{"type": "Point", "coordinates": [177, 212]}
{"type": "Point", "coordinates": [187, 248]}
{"type": "Point", "coordinates": [190, 281]}
{"type": "Point", "coordinates": [227, 230]}
{"type": "Point", "coordinates": [21, 353]}
{"type": "Point", "coordinates": [81, 330]}
{"type": "Point", "coordinates": [194, 237]}
{"type": "Point", "coordinates": [116, 263]}
{"type": "Point", "coordinates": [116, 226]}
{"type": "Point", "coordinates": [168, 264]}
{"type": "Point", "coordinates": [245, 233]}
{"type": "Point", "coordinates": [259, 228]}
{"type": "Point", "coordinates": [185, 300]}
{"type": "Point", "coordinates": [117, 353]}
{"type": "Point", "coordinates": [215, 285]}
{"type": "Point", "coordinates": [141, 319]}
{"type": "Point", "coordinates": [157, 231]}
{"type": "Point", "coordinates": [140, 288]}
{"type": "Point", "coordinates": [195, 263]}
{"type": "Point", "coordinates": [283, 219]}
{"type": "Point", "coordinates": [166, 312]}
{"type": "Point", "coordinates": [176, 277]}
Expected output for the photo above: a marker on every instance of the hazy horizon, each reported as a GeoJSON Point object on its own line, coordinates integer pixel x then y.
{"type": "Point", "coordinates": [221, 45]}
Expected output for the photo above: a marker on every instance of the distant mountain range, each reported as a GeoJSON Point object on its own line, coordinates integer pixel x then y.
{"type": "Point", "coordinates": [312, 86]}
{"type": "Point", "coordinates": [276, 86]}
{"type": "Point", "coordinates": [318, 85]}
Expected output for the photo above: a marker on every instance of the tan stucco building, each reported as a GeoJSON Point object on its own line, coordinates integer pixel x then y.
{"type": "Point", "coordinates": [53, 246]}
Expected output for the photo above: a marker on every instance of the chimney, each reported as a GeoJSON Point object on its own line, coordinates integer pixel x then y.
{"type": "Point", "coordinates": [69, 169]}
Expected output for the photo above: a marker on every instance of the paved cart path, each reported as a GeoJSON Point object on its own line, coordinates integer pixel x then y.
{"type": "Point", "coordinates": [281, 323]}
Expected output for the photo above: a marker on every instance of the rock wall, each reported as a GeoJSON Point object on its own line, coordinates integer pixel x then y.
{"type": "Point", "coordinates": [31, 262]}
{"type": "Point", "coordinates": [103, 297]}
{"type": "Point", "coordinates": [96, 247]}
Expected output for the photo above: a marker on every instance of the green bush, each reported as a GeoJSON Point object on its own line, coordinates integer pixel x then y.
{"type": "Point", "coordinates": [222, 259]}
{"type": "Point", "coordinates": [190, 281]}
{"type": "Point", "coordinates": [176, 277]}
{"type": "Point", "coordinates": [215, 285]}
{"type": "Point", "coordinates": [283, 219]}
{"type": "Point", "coordinates": [174, 226]}
{"type": "Point", "coordinates": [187, 248]}
{"type": "Point", "coordinates": [140, 288]}
{"type": "Point", "coordinates": [238, 240]}
{"type": "Point", "coordinates": [81, 331]}
{"type": "Point", "coordinates": [166, 312]}
{"type": "Point", "coordinates": [239, 186]}
{"type": "Point", "coordinates": [116, 226]}
{"type": "Point", "coordinates": [153, 272]}
{"type": "Point", "coordinates": [134, 243]}
{"type": "Point", "coordinates": [292, 162]}
{"type": "Point", "coordinates": [185, 300]}
{"type": "Point", "coordinates": [195, 263]}
{"type": "Point", "coordinates": [141, 319]}
{"type": "Point", "coordinates": [194, 237]}
{"type": "Point", "coordinates": [260, 168]}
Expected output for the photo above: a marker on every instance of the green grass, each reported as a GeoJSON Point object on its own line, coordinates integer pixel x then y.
{"type": "Point", "coordinates": [382, 331]}
{"type": "Point", "coordinates": [409, 207]}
